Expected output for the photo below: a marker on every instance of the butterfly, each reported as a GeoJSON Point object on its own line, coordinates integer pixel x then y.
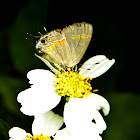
{"type": "Point", "coordinates": [66, 47]}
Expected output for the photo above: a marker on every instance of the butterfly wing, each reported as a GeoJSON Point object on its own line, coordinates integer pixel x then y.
{"type": "Point", "coordinates": [78, 36]}
{"type": "Point", "coordinates": [56, 48]}
{"type": "Point", "coordinates": [68, 46]}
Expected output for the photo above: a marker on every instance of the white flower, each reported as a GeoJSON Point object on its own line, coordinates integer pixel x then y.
{"type": "Point", "coordinates": [44, 126]}
{"type": "Point", "coordinates": [43, 95]}
{"type": "Point", "coordinates": [79, 114]}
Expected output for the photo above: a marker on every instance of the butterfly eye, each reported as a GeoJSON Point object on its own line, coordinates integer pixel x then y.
{"type": "Point", "coordinates": [42, 40]}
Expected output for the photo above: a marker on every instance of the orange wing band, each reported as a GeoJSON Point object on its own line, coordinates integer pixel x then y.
{"type": "Point", "coordinates": [52, 45]}
{"type": "Point", "coordinates": [80, 36]}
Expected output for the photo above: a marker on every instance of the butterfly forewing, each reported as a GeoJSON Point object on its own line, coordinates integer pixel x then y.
{"type": "Point", "coordinates": [54, 45]}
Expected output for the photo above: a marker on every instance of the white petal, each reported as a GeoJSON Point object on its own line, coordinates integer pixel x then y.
{"type": "Point", "coordinates": [63, 135]}
{"type": "Point", "coordinates": [79, 112]}
{"type": "Point", "coordinates": [38, 99]}
{"type": "Point", "coordinates": [40, 77]}
{"type": "Point", "coordinates": [89, 133]}
{"type": "Point", "coordinates": [17, 133]}
{"type": "Point", "coordinates": [90, 62]}
{"type": "Point", "coordinates": [100, 101]}
{"type": "Point", "coordinates": [96, 66]}
{"type": "Point", "coordinates": [42, 96]}
{"type": "Point", "coordinates": [47, 123]}
{"type": "Point", "coordinates": [100, 123]}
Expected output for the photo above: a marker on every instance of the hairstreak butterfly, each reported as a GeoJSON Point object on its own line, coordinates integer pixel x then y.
{"type": "Point", "coordinates": [66, 47]}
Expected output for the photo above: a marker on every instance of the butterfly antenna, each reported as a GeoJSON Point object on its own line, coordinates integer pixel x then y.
{"type": "Point", "coordinates": [33, 36]}
{"type": "Point", "coordinates": [40, 33]}
{"type": "Point", "coordinates": [45, 30]}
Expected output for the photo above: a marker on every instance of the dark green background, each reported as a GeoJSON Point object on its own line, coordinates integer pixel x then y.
{"type": "Point", "coordinates": [114, 36]}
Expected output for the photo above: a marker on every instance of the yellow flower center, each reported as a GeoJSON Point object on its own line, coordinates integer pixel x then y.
{"type": "Point", "coordinates": [73, 84]}
{"type": "Point", "coordinates": [38, 137]}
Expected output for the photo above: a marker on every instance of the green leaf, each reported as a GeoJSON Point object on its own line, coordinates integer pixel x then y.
{"type": "Point", "coordinates": [123, 120]}
{"type": "Point", "coordinates": [4, 128]}
{"type": "Point", "coordinates": [30, 20]}
{"type": "Point", "coordinates": [67, 99]}
{"type": "Point", "coordinates": [9, 89]}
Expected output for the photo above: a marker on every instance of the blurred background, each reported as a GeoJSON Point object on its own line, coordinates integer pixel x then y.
{"type": "Point", "coordinates": [114, 36]}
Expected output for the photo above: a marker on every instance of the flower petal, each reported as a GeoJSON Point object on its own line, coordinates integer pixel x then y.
{"type": "Point", "coordinates": [90, 62]}
{"type": "Point", "coordinates": [38, 99]}
{"type": "Point", "coordinates": [47, 123]}
{"type": "Point", "coordinates": [96, 66]}
{"type": "Point", "coordinates": [17, 133]}
{"type": "Point", "coordinates": [79, 113]}
{"type": "Point", "coordinates": [101, 102]}
{"type": "Point", "coordinates": [89, 133]}
{"type": "Point", "coordinates": [100, 123]}
{"type": "Point", "coordinates": [40, 77]}
{"type": "Point", "coordinates": [64, 134]}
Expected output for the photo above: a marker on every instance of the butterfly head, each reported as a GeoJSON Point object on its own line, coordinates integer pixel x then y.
{"type": "Point", "coordinates": [44, 43]}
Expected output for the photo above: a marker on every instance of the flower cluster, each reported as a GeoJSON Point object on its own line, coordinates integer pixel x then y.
{"type": "Point", "coordinates": [81, 108]}
{"type": "Point", "coordinates": [81, 111]}
{"type": "Point", "coordinates": [73, 84]}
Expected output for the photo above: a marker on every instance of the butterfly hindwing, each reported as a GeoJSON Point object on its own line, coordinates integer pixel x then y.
{"type": "Point", "coordinates": [78, 37]}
